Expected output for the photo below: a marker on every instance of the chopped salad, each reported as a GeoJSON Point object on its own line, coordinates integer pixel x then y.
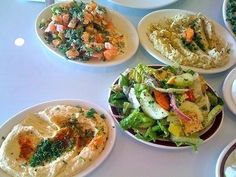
{"type": "Point", "coordinates": [82, 31]}
{"type": "Point", "coordinates": [168, 103]}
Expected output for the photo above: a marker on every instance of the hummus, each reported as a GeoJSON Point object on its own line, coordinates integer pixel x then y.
{"type": "Point", "coordinates": [189, 40]}
{"type": "Point", "coordinates": [59, 141]}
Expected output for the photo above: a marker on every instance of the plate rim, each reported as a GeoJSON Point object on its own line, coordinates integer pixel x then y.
{"type": "Point", "coordinates": [145, 7]}
{"type": "Point", "coordinates": [159, 57]}
{"type": "Point", "coordinates": [116, 14]}
{"type": "Point", "coordinates": [225, 153]}
{"type": "Point", "coordinates": [160, 145]}
{"type": "Point", "coordinates": [18, 117]}
{"type": "Point", "coordinates": [227, 88]}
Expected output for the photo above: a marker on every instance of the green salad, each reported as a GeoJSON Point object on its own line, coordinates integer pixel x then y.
{"type": "Point", "coordinates": [230, 13]}
{"type": "Point", "coordinates": [167, 103]}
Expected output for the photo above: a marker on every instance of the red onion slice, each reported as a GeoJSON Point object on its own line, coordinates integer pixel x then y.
{"type": "Point", "coordinates": [176, 109]}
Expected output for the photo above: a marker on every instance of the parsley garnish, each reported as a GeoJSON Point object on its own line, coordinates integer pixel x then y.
{"type": "Point", "coordinates": [90, 113]}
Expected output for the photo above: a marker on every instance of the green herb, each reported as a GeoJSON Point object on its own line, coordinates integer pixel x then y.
{"type": "Point", "coordinates": [90, 113]}
{"type": "Point", "coordinates": [230, 13]}
{"type": "Point", "coordinates": [47, 151]}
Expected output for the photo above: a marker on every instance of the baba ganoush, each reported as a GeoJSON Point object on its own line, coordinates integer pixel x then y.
{"type": "Point", "coordinates": [189, 40]}
{"type": "Point", "coordinates": [59, 141]}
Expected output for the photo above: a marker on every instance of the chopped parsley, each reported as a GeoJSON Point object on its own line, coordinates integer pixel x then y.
{"type": "Point", "coordinates": [90, 113]}
{"type": "Point", "coordinates": [47, 151]}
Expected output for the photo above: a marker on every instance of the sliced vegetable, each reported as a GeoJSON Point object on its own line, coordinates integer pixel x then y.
{"type": "Point", "coordinates": [162, 99]}
{"type": "Point", "coordinates": [150, 107]}
{"type": "Point", "coordinates": [212, 114]}
{"type": "Point", "coordinates": [194, 141]}
{"type": "Point", "coordinates": [176, 109]}
{"type": "Point", "coordinates": [136, 120]}
{"type": "Point", "coordinates": [181, 81]}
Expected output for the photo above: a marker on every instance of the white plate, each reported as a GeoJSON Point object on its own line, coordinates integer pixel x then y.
{"type": "Point", "coordinates": [227, 24]}
{"type": "Point", "coordinates": [7, 127]}
{"type": "Point", "coordinates": [227, 90]}
{"type": "Point", "coordinates": [225, 158]}
{"type": "Point", "coordinates": [141, 4]}
{"type": "Point", "coordinates": [206, 134]}
{"type": "Point", "coordinates": [156, 16]}
{"type": "Point", "coordinates": [124, 26]}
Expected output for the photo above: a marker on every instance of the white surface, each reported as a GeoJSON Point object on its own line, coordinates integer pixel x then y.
{"type": "Point", "coordinates": [159, 16]}
{"type": "Point", "coordinates": [143, 4]}
{"type": "Point", "coordinates": [230, 161]}
{"type": "Point", "coordinates": [120, 22]}
{"type": "Point", "coordinates": [229, 90]}
{"type": "Point", "coordinates": [227, 24]}
{"type": "Point", "coordinates": [31, 74]}
{"type": "Point", "coordinates": [6, 128]}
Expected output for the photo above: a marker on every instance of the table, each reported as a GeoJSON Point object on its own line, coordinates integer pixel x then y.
{"type": "Point", "coordinates": [30, 74]}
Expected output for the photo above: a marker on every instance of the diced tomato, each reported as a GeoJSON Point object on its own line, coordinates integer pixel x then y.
{"type": "Point", "coordinates": [98, 55]}
{"type": "Point", "coordinates": [110, 54]}
{"type": "Point", "coordinates": [51, 27]}
{"type": "Point", "coordinates": [99, 38]}
{"type": "Point", "coordinates": [110, 26]}
{"type": "Point", "coordinates": [188, 34]}
{"type": "Point", "coordinates": [190, 95]}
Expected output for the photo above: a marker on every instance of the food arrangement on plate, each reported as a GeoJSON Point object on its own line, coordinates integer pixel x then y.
{"type": "Point", "coordinates": [228, 10]}
{"type": "Point", "coordinates": [58, 140]}
{"type": "Point", "coordinates": [191, 40]}
{"type": "Point", "coordinates": [87, 33]}
{"type": "Point", "coordinates": [165, 104]}
{"type": "Point", "coordinates": [82, 31]}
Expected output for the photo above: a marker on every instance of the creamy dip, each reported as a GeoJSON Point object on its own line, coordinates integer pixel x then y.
{"type": "Point", "coordinates": [59, 141]}
{"type": "Point", "coordinates": [189, 40]}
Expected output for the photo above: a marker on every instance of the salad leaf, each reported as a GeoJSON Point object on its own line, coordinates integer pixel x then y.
{"type": "Point", "coordinates": [214, 100]}
{"type": "Point", "coordinates": [124, 81]}
{"type": "Point", "coordinates": [190, 140]}
{"type": "Point", "coordinates": [136, 120]}
{"type": "Point", "coordinates": [117, 99]}
{"type": "Point", "coordinates": [138, 73]}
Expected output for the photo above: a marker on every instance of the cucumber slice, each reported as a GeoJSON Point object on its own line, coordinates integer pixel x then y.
{"type": "Point", "coordinates": [150, 107]}
{"type": "Point", "coordinates": [181, 81]}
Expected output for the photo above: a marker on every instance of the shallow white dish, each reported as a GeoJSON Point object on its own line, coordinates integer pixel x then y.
{"type": "Point", "coordinates": [17, 118]}
{"type": "Point", "coordinates": [156, 16]}
{"type": "Point", "coordinates": [206, 134]}
{"type": "Point", "coordinates": [224, 158]}
{"type": "Point", "coordinates": [140, 4]}
{"type": "Point", "coordinates": [124, 26]}
{"type": "Point", "coordinates": [227, 23]}
{"type": "Point", "coordinates": [227, 90]}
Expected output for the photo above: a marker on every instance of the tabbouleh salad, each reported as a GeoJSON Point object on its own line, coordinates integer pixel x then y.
{"type": "Point", "coordinates": [82, 31]}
